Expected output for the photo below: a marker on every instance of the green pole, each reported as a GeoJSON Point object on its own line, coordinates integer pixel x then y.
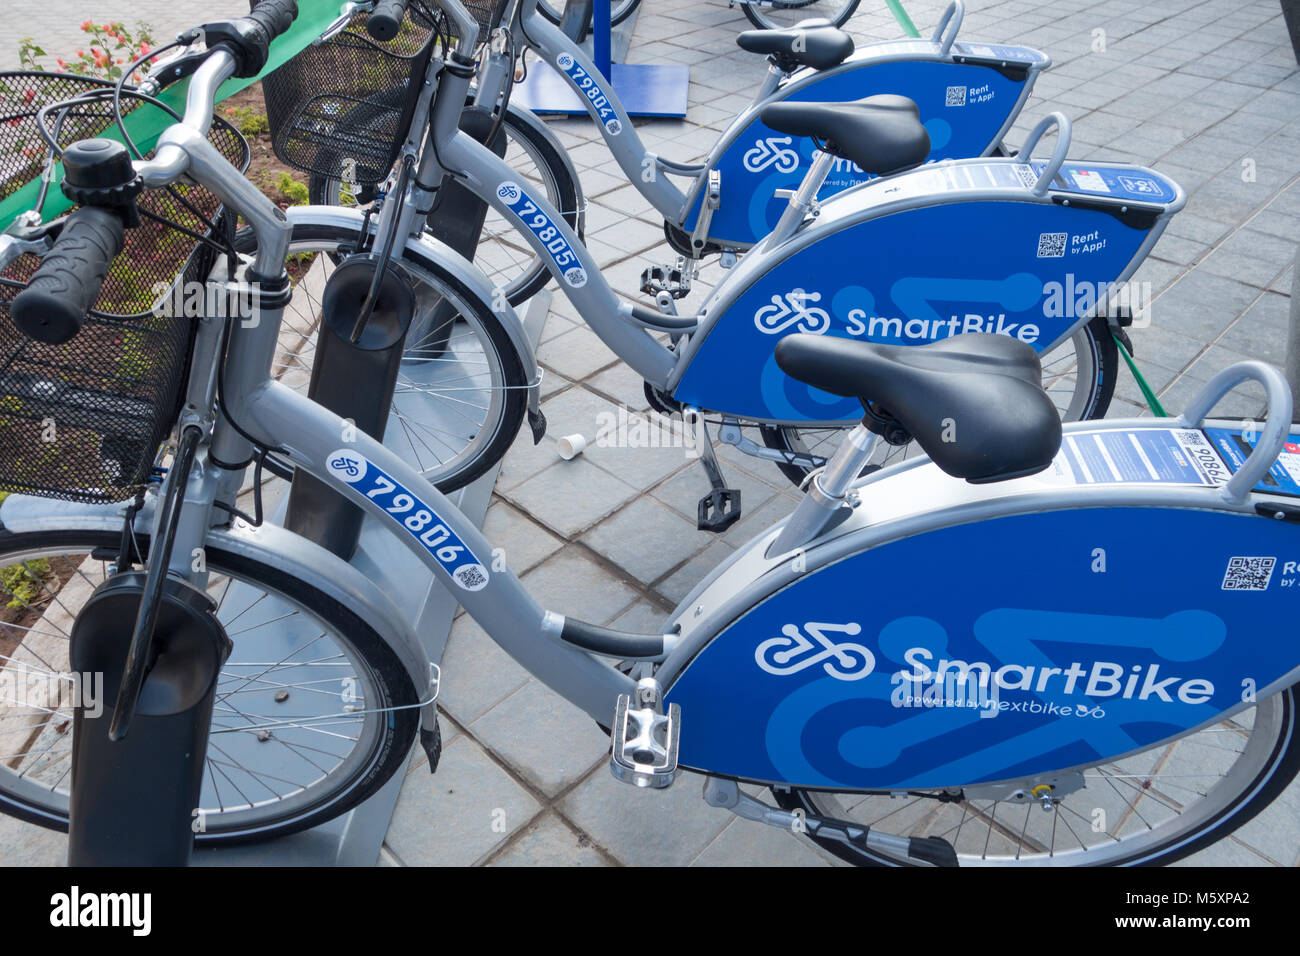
{"type": "Point", "coordinates": [146, 124]}
{"type": "Point", "coordinates": [903, 19]}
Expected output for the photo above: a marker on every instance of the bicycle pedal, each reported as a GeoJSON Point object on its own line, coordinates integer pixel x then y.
{"type": "Point", "coordinates": [672, 280]}
{"type": "Point", "coordinates": [719, 510]}
{"type": "Point", "coordinates": [644, 751]}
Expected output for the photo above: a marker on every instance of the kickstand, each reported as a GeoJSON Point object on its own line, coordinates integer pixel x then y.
{"type": "Point", "coordinates": [720, 508]}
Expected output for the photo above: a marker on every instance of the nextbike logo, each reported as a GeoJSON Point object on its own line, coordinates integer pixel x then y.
{"type": "Point", "coordinates": [590, 88]}
{"type": "Point", "coordinates": [773, 151]}
{"type": "Point", "coordinates": [792, 309]}
{"type": "Point", "coordinates": [346, 467]}
{"type": "Point", "coordinates": [795, 652]}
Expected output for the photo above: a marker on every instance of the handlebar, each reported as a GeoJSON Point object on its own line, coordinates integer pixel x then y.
{"type": "Point", "coordinates": [386, 19]}
{"type": "Point", "coordinates": [249, 37]}
{"type": "Point", "coordinates": [1062, 150]}
{"type": "Point", "coordinates": [53, 306]}
{"type": "Point", "coordinates": [1276, 428]}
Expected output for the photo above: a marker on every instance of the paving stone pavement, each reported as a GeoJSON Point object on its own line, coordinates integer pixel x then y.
{"type": "Point", "coordinates": [1206, 91]}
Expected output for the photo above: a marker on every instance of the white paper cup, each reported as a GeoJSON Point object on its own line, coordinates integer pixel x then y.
{"type": "Point", "coordinates": [570, 446]}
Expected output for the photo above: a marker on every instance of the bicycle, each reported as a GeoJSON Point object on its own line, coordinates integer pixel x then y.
{"type": "Point", "coordinates": [721, 361]}
{"type": "Point", "coordinates": [818, 719]}
{"type": "Point", "coordinates": [764, 14]}
{"type": "Point", "coordinates": [733, 199]}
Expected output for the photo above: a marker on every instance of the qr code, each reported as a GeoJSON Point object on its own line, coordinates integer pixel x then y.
{"type": "Point", "coordinates": [1028, 178]}
{"type": "Point", "coordinates": [471, 577]}
{"type": "Point", "coordinates": [956, 96]}
{"type": "Point", "coordinates": [1248, 574]}
{"type": "Point", "coordinates": [1051, 245]}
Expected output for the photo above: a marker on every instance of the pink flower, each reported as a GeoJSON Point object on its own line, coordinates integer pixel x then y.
{"type": "Point", "coordinates": [145, 48]}
{"type": "Point", "coordinates": [62, 65]}
{"type": "Point", "coordinates": [87, 26]}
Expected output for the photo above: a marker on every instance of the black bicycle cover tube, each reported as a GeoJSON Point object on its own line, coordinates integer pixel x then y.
{"type": "Point", "coordinates": [386, 20]}
{"type": "Point", "coordinates": [66, 284]}
{"type": "Point", "coordinates": [603, 640]}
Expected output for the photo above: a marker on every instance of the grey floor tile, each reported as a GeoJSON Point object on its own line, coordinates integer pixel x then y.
{"type": "Point", "coordinates": [547, 740]}
{"type": "Point", "coordinates": [461, 814]}
{"type": "Point", "coordinates": [550, 842]}
{"type": "Point", "coordinates": [646, 539]}
{"type": "Point", "coordinates": [746, 843]}
{"type": "Point", "coordinates": [476, 672]}
{"type": "Point", "coordinates": [572, 584]}
{"type": "Point", "coordinates": [645, 827]}
{"type": "Point", "coordinates": [519, 544]}
{"type": "Point", "coordinates": [571, 496]}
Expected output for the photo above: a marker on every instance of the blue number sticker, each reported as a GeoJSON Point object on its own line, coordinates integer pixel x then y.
{"type": "Point", "coordinates": [588, 86]}
{"type": "Point", "coordinates": [557, 247]}
{"type": "Point", "coordinates": [414, 516]}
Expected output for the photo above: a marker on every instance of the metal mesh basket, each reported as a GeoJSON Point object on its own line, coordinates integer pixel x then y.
{"type": "Point", "coordinates": [488, 13]}
{"type": "Point", "coordinates": [341, 107]}
{"type": "Point", "coordinates": [83, 420]}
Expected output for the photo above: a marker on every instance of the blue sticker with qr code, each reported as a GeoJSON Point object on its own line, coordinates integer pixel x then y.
{"type": "Point", "coordinates": [413, 515]}
{"type": "Point", "coordinates": [540, 225]}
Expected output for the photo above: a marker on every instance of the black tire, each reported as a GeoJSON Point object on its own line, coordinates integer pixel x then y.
{"type": "Point", "coordinates": [389, 677]}
{"type": "Point", "coordinates": [563, 190]}
{"type": "Point", "coordinates": [763, 22]}
{"type": "Point", "coordinates": [1094, 339]}
{"type": "Point", "coordinates": [1275, 774]}
{"type": "Point", "coordinates": [514, 394]}
{"type": "Point", "coordinates": [620, 11]}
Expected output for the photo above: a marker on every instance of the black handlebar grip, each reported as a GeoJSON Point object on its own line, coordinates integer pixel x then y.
{"type": "Point", "coordinates": [274, 16]}
{"type": "Point", "coordinates": [386, 19]}
{"type": "Point", "coordinates": [249, 38]}
{"type": "Point", "coordinates": [66, 284]}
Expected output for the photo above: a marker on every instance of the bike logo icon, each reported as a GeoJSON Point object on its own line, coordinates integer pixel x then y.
{"type": "Point", "coordinates": [773, 151]}
{"type": "Point", "coordinates": [345, 467]}
{"type": "Point", "coordinates": [510, 192]}
{"type": "Point", "coordinates": [794, 652]}
{"type": "Point", "coordinates": [565, 61]}
{"type": "Point", "coordinates": [792, 310]}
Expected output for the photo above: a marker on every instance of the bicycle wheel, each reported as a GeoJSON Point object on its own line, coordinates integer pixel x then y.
{"type": "Point", "coordinates": [1152, 807]}
{"type": "Point", "coordinates": [553, 10]}
{"type": "Point", "coordinates": [461, 388]}
{"type": "Point", "coordinates": [503, 255]}
{"type": "Point", "coordinates": [783, 14]}
{"type": "Point", "coordinates": [1079, 375]}
{"type": "Point", "coordinates": [295, 740]}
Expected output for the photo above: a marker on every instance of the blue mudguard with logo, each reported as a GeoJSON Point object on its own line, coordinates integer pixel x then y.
{"type": "Point", "coordinates": [1092, 620]}
{"type": "Point", "coordinates": [968, 97]}
{"type": "Point", "coordinates": [962, 246]}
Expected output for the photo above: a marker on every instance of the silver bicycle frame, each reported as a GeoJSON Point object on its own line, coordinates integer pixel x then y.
{"type": "Point", "coordinates": [646, 171]}
{"type": "Point", "coordinates": [273, 414]}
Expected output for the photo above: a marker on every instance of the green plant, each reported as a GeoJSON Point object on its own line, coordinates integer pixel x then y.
{"type": "Point", "coordinates": [111, 47]}
{"type": "Point", "coordinates": [24, 581]}
{"type": "Point", "coordinates": [296, 191]}
{"type": "Point", "coordinates": [247, 120]}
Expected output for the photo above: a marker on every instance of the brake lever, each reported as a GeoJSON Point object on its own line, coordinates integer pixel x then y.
{"type": "Point", "coordinates": [171, 70]}
{"type": "Point", "coordinates": [27, 234]}
{"type": "Point", "coordinates": [341, 22]}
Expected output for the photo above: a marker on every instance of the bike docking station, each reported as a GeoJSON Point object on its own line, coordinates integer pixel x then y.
{"type": "Point", "coordinates": [644, 89]}
{"type": "Point", "coordinates": [354, 838]}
